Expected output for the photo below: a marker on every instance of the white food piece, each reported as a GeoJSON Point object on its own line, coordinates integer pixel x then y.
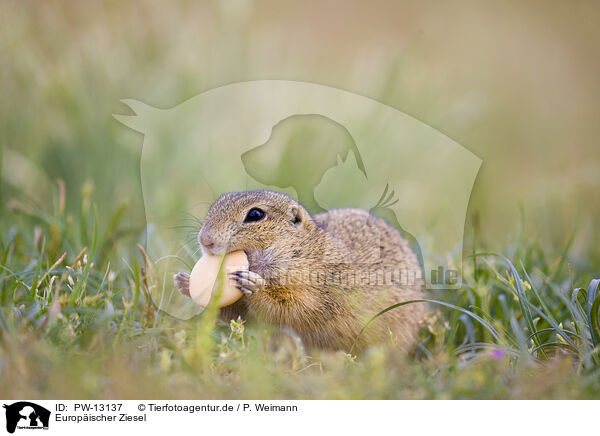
{"type": "Point", "coordinates": [203, 278]}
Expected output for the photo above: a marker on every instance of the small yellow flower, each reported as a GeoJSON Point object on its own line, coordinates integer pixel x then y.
{"type": "Point", "coordinates": [165, 360]}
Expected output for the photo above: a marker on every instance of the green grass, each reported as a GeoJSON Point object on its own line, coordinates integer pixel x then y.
{"type": "Point", "coordinates": [77, 322]}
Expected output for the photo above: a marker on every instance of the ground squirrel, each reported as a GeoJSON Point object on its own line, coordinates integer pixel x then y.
{"type": "Point", "coordinates": [322, 276]}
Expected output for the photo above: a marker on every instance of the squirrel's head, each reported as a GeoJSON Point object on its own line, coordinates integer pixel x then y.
{"type": "Point", "coordinates": [253, 220]}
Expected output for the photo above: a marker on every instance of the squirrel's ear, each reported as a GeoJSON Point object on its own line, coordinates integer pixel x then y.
{"type": "Point", "coordinates": [298, 216]}
{"type": "Point", "coordinates": [295, 216]}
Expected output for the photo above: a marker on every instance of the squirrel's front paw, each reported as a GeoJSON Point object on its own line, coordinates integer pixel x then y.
{"type": "Point", "coordinates": [182, 283]}
{"type": "Point", "coordinates": [249, 282]}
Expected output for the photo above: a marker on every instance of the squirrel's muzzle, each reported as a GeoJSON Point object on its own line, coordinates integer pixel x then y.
{"type": "Point", "coordinates": [206, 241]}
{"type": "Point", "coordinates": [212, 244]}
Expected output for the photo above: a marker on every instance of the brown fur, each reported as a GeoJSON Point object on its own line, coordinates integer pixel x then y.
{"type": "Point", "coordinates": [326, 275]}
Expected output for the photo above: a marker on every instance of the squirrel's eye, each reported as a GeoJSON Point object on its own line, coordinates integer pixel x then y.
{"type": "Point", "coordinates": [254, 214]}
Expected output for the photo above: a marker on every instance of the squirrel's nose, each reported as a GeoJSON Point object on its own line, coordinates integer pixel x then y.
{"type": "Point", "coordinates": [206, 240]}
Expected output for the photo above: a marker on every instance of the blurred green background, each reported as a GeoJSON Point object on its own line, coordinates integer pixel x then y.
{"type": "Point", "coordinates": [517, 84]}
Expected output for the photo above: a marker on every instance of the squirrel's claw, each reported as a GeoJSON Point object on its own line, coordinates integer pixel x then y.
{"type": "Point", "coordinates": [249, 282]}
{"type": "Point", "coordinates": [244, 290]}
{"type": "Point", "coordinates": [182, 283]}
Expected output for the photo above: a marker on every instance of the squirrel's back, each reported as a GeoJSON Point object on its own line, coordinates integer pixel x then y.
{"type": "Point", "coordinates": [368, 238]}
